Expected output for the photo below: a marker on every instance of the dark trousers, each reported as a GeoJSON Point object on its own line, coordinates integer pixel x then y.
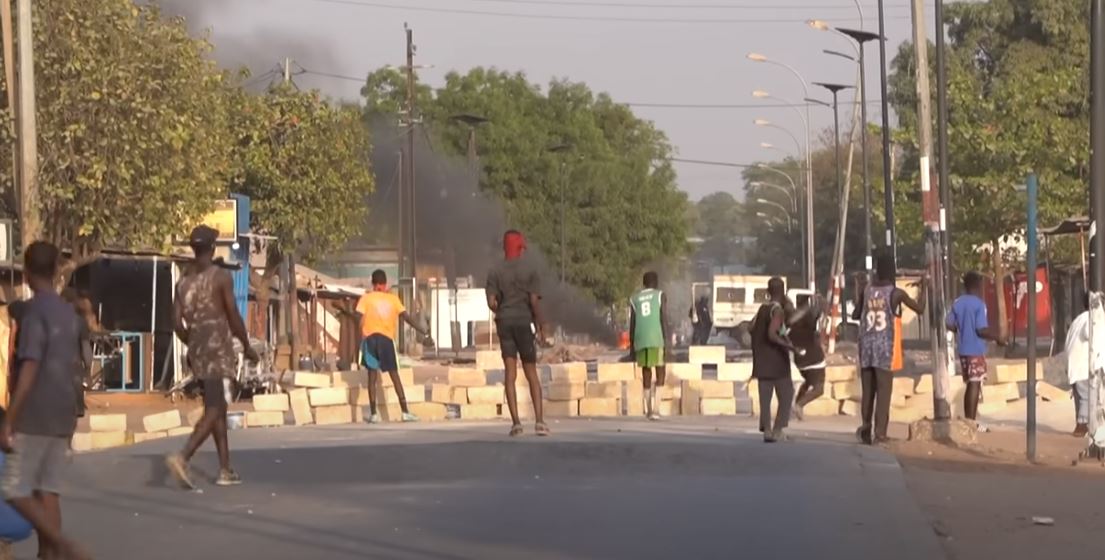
{"type": "Point", "coordinates": [783, 389]}
{"type": "Point", "coordinates": [878, 386]}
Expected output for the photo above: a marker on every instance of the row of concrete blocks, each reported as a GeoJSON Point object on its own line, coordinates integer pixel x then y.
{"type": "Point", "coordinates": [697, 355]}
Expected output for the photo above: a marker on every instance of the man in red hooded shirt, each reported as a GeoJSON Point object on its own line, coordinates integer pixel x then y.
{"type": "Point", "coordinates": [513, 294]}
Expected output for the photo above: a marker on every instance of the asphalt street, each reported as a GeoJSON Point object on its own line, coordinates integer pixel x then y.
{"type": "Point", "coordinates": [682, 488]}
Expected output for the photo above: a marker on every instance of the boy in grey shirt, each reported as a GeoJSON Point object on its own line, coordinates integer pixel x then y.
{"type": "Point", "coordinates": [39, 425]}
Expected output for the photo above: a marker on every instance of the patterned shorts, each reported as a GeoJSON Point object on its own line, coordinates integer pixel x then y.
{"type": "Point", "coordinates": [972, 368]}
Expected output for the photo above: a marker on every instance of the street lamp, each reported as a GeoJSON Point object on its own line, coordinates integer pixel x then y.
{"type": "Point", "coordinates": [835, 90]}
{"type": "Point", "coordinates": [769, 217]}
{"type": "Point", "coordinates": [768, 124]}
{"type": "Point", "coordinates": [774, 204]}
{"type": "Point", "coordinates": [887, 185]}
{"type": "Point", "coordinates": [560, 149]}
{"type": "Point", "coordinates": [787, 192]}
{"type": "Point", "coordinates": [861, 38]}
{"type": "Point", "coordinates": [810, 276]}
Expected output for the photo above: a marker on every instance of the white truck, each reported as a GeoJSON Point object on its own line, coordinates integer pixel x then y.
{"type": "Point", "coordinates": [735, 299]}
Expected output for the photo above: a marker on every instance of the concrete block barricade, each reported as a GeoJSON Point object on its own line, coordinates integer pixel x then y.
{"type": "Point", "coordinates": [406, 377]}
{"type": "Point", "coordinates": [275, 402]}
{"type": "Point", "coordinates": [333, 414]}
{"type": "Point", "coordinates": [1001, 392]}
{"type": "Point", "coordinates": [356, 378]}
{"type": "Point", "coordinates": [1051, 393]}
{"type": "Point", "coordinates": [605, 389]}
{"type": "Point", "coordinates": [706, 355]}
{"type": "Point", "coordinates": [263, 419]}
{"type": "Point", "coordinates": [107, 422]}
{"type": "Point", "coordinates": [562, 409]}
{"type": "Point", "coordinates": [682, 372]}
{"type": "Point", "coordinates": [618, 371]}
{"type": "Point", "coordinates": [718, 406]}
{"type": "Point", "coordinates": [924, 385]}
{"type": "Point", "coordinates": [573, 372]}
{"type": "Point", "coordinates": [310, 380]}
{"type": "Point", "coordinates": [461, 377]}
{"type": "Point", "coordinates": [1002, 371]}
{"type": "Point", "coordinates": [301, 407]}
{"type": "Point", "coordinates": [599, 407]}
{"type": "Point", "coordinates": [162, 421]}
{"type": "Point", "coordinates": [328, 397]}
{"type": "Point", "coordinates": [823, 407]}
{"type": "Point", "coordinates": [150, 436]}
{"type": "Point", "coordinates": [559, 391]}
{"type": "Point", "coordinates": [181, 431]}
{"type": "Point", "coordinates": [492, 394]}
{"type": "Point", "coordinates": [429, 411]}
{"type": "Point", "coordinates": [479, 411]}
{"type": "Point", "coordinates": [835, 374]}
{"type": "Point", "coordinates": [740, 371]}
{"type": "Point", "coordinates": [489, 359]}
{"type": "Point", "coordinates": [903, 385]}
{"type": "Point", "coordinates": [846, 390]}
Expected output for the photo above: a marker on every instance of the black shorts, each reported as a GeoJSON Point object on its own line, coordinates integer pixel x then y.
{"type": "Point", "coordinates": [518, 341]}
{"type": "Point", "coordinates": [214, 392]}
{"type": "Point", "coordinates": [814, 376]}
{"type": "Point", "coordinates": [383, 349]}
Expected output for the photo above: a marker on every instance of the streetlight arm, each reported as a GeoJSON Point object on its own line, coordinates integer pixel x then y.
{"type": "Point", "coordinates": [772, 169]}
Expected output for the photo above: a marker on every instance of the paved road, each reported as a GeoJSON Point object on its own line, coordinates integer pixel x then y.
{"type": "Point", "coordinates": [699, 489]}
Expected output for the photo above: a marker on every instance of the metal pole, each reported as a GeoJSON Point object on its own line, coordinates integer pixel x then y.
{"type": "Point", "coordinates": [1097, 143]}
{"type": "Point", "coordinates": [1031, 280]}
{"type": "Point", "coordinates": [887, 180]}
{"type": "Point", "coordinates": [867, 259]}
{"type": "Point", "coordinates": [811, 271]}
{"type": "Point", "coordinates": [563, 218]}
{"type": "Point", "coordinates": [412, 214]}
{"type": "Point", "coordinates": [836, 138]}
{"type": "Point", "coordinates": [942, 150]}
{"type": "Point", "coordinates": [27, 128]}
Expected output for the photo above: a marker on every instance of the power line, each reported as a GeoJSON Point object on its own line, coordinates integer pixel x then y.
{"type": "Point", "coordinates": [715, 163]}
{"type": "Point", "coordinates": [607, 4]}
{"type": "Point", "coordinates": [730, 105]}
{"type": "Point", "coordinates": [620, 19]}
{"type": "Point", "coordinates": [335, 76]}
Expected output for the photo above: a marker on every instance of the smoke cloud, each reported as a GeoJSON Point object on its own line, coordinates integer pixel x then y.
{"type": "Point", "coordinates": [461, 228]}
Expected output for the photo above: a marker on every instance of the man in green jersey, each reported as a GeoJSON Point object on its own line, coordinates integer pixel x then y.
{"type": "Point", "coordinates": [648, 338]}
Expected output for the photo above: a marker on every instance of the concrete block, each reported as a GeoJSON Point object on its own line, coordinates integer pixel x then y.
{"type": "Point", "coordinates": [1051, 393]}
{"type": "Point", "coordinates": [300, 404]}
{"type": "Point", "coordinates": [107, 422]}
{"type": "Point", "coordinates": [605, 389]}
{"type": "Point", "coordinates": [525, 410]}
{"type": "Point", "coordinates": [414, 393]}
{"type": "Point", "coordinates": [1008, 372]}
{"type": "Point", "coordinates": [619, 371]}
{"type": "Point", "coordinates": [849, 408]}
{"type": "Point", "coordinates": [987, 408]}
{"type": "Point", "coordinates": [82, 441]}
{"type": "Point", "coordinates": [599, 407]}
{"type": "Point", "coordinates": [561, 409]}
{"type": "Point", "coordinates": [276, 402]}
{"type": "Point", "coordinates": [261, 419]}
{"type": "Point", "coordinates": [834, 374]}
{"type": "Point", "coordinates": [459, 395]}
{"type": "Point", "coordinates": [406, 377]}
{"type": "Point", "coordinates": [715, 389]}
{"type": "Point", "coordinates": [560, 391]}
{"type": "Point", "coordinates": [429, 411]}
{"type": "Point", "coordinates": [691, 402]}
{"type": "Point", "coordinates": [903, 385]}
{"type": "Point", "coordinates": [150, 436]}
{"type": "Point", "coordinates": [958, 432]}
{"type": "Point", "coordinates": [718, 407]}
{"type": "Point", "coordinates": [106, 440]}
{"type": "Point", "coordinates": [573, 372]}
{"type": "Point", "coordinates": [181, 431]}
{"type": "Point", "coordinates": [634, 401]}
{"type": "Point", "coordinates": [741, 371]}
{"type": "Point", "coordinates": [489, 359]}
{"type": "Point", "coordinates": [193, 416]}
{"type": "Point", "coordinates": [669, 408]}
{"type": "Point", "coordinates": [442, 393]}
{"type": "Point", "coordinates": [333, 414]}
{"type": "Point", "coordinates": [822, 407]}
{"type": "Point", "coordinates": [479, 411]}
{"type": "Point", "coordinates": [846, 390]}
{"type": "Point", "coordinates": [388, 412]}
{"type": "Point", "coordinates": [670, 392]}
{"type": "Point", "coordinates": [683, 371]}
{"type": "Point", "coordinates": [898, 399]}
{"type": "Point", "coordinates": [162, 421]}
{"type": "Point", "coordinates": [924, 385]}
{"type": "Point", "coordinates": [461, 377]}
{"type": "Point", "coordinates": [706, 355]}
{"type": "Point", "coordinates": [1001, 392]}
{"type": "Point", "coordinates": [331, 396]}
{"type": "Point", "coordinates": [310, 380]}
{"type": "Point", "coordinates": [356, 378]}
{"type": "Point", "coordinates": [492, 394]}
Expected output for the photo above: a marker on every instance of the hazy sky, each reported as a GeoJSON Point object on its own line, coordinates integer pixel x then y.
{"type": "Point", "coordinates": [699, 60]}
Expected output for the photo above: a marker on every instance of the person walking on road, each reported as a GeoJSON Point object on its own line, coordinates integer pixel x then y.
{"type": "Point", "coordinates": [205, 316]}
{"type": "Point", "coordinates": [771, 361]}
{"type": "Point", "coordinates": [514, 296]}
{"type": "Point", "coordinates": [701, 321]}
{"type": "Point", "coordinates": [1079, 362]}
{"type": "Point", "coordinates": [649, 339]}
{"type": "Point", "coordinates": [37, 428]}
{"type": "Point", "coordinates": [380, 313]}
{"type": "Point", "coordinates": [967, 319]}
{"type": "Point", "coordinates": [878, 307]}
{"type": "Point", "coordinates": [810, 356]}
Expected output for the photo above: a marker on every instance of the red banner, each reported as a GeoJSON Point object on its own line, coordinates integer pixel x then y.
{"type": "Point", "coordinates": [1016, 301]}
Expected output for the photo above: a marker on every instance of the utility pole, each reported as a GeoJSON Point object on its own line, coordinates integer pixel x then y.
{"type": "Point", "coordinates": [291, 298]}
{"type": "Point", "coordinates": [29, 224]}
{"type": "Point", "coordinates": [412, 244]}
{"type": "Point", "coordinates": [931, 213]}
{"type": "Point", "coordinates": [287, 70]}
{"type": "Point", "coordinates": [1097, 197]}
{"type": "Point", "coordinates": [942, 149]}
{"type": "Point", "coordinates": [7, 38]}
{"type": "Point", "coordinates": [887, 164]}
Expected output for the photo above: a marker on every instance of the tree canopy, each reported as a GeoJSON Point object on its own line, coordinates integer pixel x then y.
{"type": "Point", "coordinates": [622, 210]}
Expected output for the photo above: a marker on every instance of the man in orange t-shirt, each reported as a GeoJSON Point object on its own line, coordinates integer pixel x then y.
{"type": "Point", "coordinates": [380, 312]}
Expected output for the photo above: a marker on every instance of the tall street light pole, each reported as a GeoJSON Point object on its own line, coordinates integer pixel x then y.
{"type": "Point", "coordinates": [1097, 185]}
{"type": "Point", "coordinates": [861, 38]}
{"type": "Point", "coordinates": [943, 173]}
{"type": "Point", "coordinates": [835, 90]}
{"type": "Point", "coordinates": [887, 180]}
{"type": "Point", "coordinates": [810, 268]}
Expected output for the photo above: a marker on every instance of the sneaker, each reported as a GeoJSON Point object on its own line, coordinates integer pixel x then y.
{"type": "Point", "coordinates": [654, 416]}
{"type": "Point", "coordinates": [408, 417]}
{"type": "Point", "coordinates": [374, 419]}
{"type": "Point", "coordinates": [769, 437]}
{"type": "Point", "coordinates": [179, 469]}
{"type": "Point", "coordinates": [228, 478]}
{"type": "Point", "coordinates": [781, 436]}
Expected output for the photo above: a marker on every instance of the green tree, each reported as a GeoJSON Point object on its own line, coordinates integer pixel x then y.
{"type": "Point", "coordinates": [719, 220]}
{"type": "Point", "coordinates": [132, 129]}
{"type": "Point", "coordinates": [622, 210]}
{"type": "Point", "coordinates": [1017, 96]}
